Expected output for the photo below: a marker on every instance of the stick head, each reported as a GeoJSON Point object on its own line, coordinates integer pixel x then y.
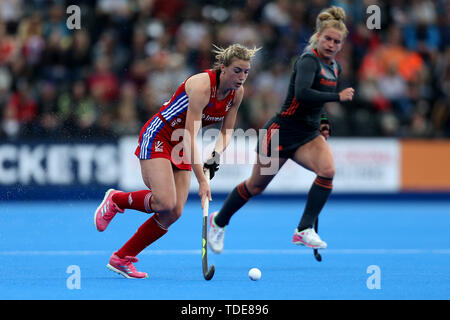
{"type": "Point", "coordinates": [317, 255]}
{"type": "Point", "coordinates": [210, 273]}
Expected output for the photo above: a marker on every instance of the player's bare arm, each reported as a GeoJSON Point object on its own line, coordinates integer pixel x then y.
{"type": "Point", "coordinates": [198, 91]}
{"type": "Point", "coordinates": [226, 131]}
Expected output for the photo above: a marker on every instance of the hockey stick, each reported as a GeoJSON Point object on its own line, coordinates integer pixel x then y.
{"type": "Point", "coordinates": [207, 273]}
{"type": "Point", "coordinates": [316, 251]}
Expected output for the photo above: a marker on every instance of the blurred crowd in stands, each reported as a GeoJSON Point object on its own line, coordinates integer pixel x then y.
{"type": "Point", "coordinates": [110, 76]}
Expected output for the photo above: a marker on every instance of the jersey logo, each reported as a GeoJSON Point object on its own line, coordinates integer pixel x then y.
{"type": "Point", "coordinates": [159, 146]}
{"type": "Point", "coordinates": [327, 82]}
{"type": "Point", "coordinates": [228, 105]}
{"type": "Point", "coordinates": [175, 122]}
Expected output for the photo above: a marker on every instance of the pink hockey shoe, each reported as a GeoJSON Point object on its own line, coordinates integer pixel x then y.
{"type": "Point", "coordinates": [106, 211]}
{"type": "Point", "coordinates": [125, 267]}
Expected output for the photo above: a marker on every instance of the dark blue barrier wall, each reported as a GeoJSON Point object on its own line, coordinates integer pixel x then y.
{"type": "Point", "coordinates": [80, 170]}
{"type": "Point", "coordinates": [57, 170]}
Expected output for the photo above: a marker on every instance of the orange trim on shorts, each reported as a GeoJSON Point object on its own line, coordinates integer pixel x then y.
{"type": "Point", "coordinates": [268, 136]}
{"type": "Point", "coordinates": [265, 146]}
{"type": "Point", "coordinates": [272, 132]}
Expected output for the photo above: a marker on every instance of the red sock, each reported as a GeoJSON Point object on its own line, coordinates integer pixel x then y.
{"type": "Point", "coordinates": [148, 233]}
{"type": "Point", "coordinates": [137, 200]}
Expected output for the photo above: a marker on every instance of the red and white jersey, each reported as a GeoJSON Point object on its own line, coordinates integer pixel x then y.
{"type": "Point", "coordinates": [174, 111]}
{"type": "Point", "coordinates": [155, 139]}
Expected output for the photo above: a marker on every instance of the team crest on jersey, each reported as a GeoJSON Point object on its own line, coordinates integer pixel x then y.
{"type": "Point", "coordinates": [175, 122]}
{"type": "Point", "coordinates": [228, 105]}
{"type": "Point", "coordinates": [159, 146]}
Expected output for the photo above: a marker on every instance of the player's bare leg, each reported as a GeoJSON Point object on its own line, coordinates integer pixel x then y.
{"type": "Point", "coordinates": [316, 156]}
{"type": "Point", "coordinates": [182, 180]}
{"type": "Point", "coordinates": [158, 176]}
{"type": "Point", "coordinates": [261, 176]}
{"type": "Point", "coordinates": [159, 198]}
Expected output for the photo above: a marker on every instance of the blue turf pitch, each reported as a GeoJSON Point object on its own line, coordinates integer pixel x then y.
{"type": "Point", "coordinates": [408, 240]}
